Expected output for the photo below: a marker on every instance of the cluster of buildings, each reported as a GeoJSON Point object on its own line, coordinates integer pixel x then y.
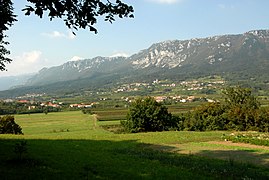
{"type": "Point", "coordinates": [54, 104]}
{"type": "Point", "coordinates": [162, 86]}
{"type": "Point", "coordinates": [181, 99]}
{"type": "Point", "coordinates": [197, 85]}
{"type": "Point", "coordinates": [33, 104]}
{"type": "Point", "coordinates": [82, 105]}
{"type": "Point", "coordinates": [185, 85]}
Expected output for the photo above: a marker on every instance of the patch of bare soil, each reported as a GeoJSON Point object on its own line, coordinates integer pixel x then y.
{"type": "Point", "coordinates": [245, 145]}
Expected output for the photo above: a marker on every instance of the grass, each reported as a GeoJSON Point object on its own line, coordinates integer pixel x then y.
{"type": "Point", "coordinates": [111, 114]}
{"type": "Point", "coordinates": [183, 107]}
{"type": "Point", "coordinates": [120, 113]}
{"type": "Point", "coordinates": [87, 151]}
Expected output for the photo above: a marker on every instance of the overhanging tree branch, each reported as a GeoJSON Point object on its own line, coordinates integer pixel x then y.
{"type": "Point", "coordinates": [79, 14]}
{"type": "Point", "coordinates": [6, 20]}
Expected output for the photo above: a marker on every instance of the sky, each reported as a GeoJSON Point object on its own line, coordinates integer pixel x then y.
{"type": "Point", "coordinates": [37, 43]}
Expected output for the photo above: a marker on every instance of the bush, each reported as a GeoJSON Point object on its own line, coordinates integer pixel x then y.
{"type": "Point", "coordinates": [145, 114]}
{"type": "Point", "coordinates": [86, 111]}
{"type": "Point", "coordinates": [241, 111]}
{"type": "Point", "coordinates": [9, 126]}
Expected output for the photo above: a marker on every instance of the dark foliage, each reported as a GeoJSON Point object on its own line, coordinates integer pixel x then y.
{"type": "Point", "coordinates": [9, 126]}
{"type": "Point", "coordinates": [241, 111]}
{"type": "Point", "coordinates": [206, 117]}
{"type": "Point", "coordinates": [21, 108]}
{"type": "Point", "coordinates": [6, 20]}
{"type": "Point", "coordinates": [86, 111]}
{"type": "Point", "coordinates": [145, 114]}
{"type": "Point", "coordinates": [80, 13]}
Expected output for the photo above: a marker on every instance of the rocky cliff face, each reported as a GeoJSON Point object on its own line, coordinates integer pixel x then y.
{"type": "Point", "coordinates": [209, 50]}
{"type": "Point", "coordinates": [243, 54]}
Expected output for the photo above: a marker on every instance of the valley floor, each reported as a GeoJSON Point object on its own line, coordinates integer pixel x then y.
{"type": "Point", "coordinates": [72, 145]}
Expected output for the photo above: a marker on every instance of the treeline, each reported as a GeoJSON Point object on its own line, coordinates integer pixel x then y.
{"type": "Point", "coordinates": [21, 108]}
{"type": "Point", "coordinates": [240, 111]}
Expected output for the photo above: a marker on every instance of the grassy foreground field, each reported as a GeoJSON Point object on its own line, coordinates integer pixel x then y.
{"type": "Point", "coordinates": [71, 145]}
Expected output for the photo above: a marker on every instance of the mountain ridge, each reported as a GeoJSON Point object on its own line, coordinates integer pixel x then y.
{"type": "Point", "coordinates": [243, 55]}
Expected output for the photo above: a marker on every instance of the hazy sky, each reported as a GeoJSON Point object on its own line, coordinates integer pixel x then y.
{"type": "Point", "coordinates": [36, 43]}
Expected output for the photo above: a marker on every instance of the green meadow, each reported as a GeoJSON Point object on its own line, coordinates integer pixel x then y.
{"type": "Point", "coordinates": [73, 145]}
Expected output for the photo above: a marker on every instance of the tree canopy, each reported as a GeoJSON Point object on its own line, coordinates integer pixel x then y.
{"type": "Point", "coordinates": [6, 20]}
{"type": "Point", "coordinates": [146, 114]}
{"type": "Point", "coordinates": [9, 126]}
{"type": "Point", "coordinates": [76, 14]}
{"type": "Point", "coordinates": [241, 111]}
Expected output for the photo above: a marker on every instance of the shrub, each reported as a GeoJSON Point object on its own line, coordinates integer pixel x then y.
{"type": "Point", "coordinates": [241, 111]}
{"type": "Point", "coordinates": [9, 126]}
{"type": "Point", "coordinates": [145, 114]}
{"type": "Point", "coordinates": [86, 111]}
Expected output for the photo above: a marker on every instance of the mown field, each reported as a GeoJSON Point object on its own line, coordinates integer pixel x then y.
{"type": "Point", "coordinates": [120, 113]}
{"type": "Point", "coordinates": [72, 145]}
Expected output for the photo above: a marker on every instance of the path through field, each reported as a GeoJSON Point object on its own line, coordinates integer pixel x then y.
{"type": "Point", "coordinates": [94, 119]}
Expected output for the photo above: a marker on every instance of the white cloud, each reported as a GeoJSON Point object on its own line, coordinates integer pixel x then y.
{"type": "Point", "coordinates": [54, 34]}
{"type": "Point", "coordinates": [76, 58]}
{"type": "Point", "coordinates": [27, 62]}
{"type": "Point", "coordinates": [57, 34]}
{"type": "Point", "coordinates": [119, 54]}
{"type": "Point", "coordinates": [31, 57]}
{"type": "Point", "coordinates": [166, 1]}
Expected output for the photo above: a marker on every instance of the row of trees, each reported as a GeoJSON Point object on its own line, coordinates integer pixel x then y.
{"type": "Point", "coordinates": [241, 111]}
{"type": "Point", "coordinates": [20, 108]}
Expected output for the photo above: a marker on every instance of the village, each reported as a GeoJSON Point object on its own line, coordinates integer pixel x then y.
{"type": "Point", "coordinates": [163, 91]}
{"type": "Point", "coordinates": [183, 85]}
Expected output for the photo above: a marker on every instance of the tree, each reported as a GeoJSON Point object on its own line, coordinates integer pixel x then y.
{"type": "Point", "coordinates": [240, 111]}
{"type": "Point", "coordinates": [6, 20]}
{"type": "Point", "coordinates": [242, 108]}
{"type": "Point", "coordinates": [240, 97]}
{"type": "Point", "coordinates": [9, 126]}
{"type": "Point", "coordinates": [210, 116]}
{"type": "Point", "coordinates": [145, 114]}
{"type": "Point", "coordinates": [76, 14]}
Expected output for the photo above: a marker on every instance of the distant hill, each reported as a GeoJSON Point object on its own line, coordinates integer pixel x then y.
{"type": "Point", "coordinates": [8, 82]}
{"type": "Point", "coordinates": [235, 57]}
